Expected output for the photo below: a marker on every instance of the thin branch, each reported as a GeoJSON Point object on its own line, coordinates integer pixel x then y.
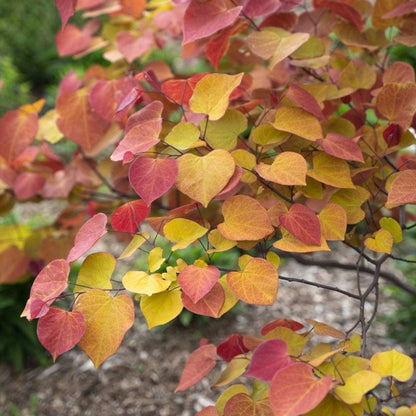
{"type": "Point", "coordinates": [320, 285]}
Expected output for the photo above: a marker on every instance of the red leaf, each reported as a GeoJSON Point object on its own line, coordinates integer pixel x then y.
{"type": "Point", "coordinates": [71, 40]}
{"type": "Point", "coordinates": [295, 391]}
{"type": "Point", "coordinates": [69, 83]}
{"type": "Point", "coordinates": [233, 346]}
{"type": "Point", "coordinates": [285, 323]}
{"type": "Point", "coordinates": [129, 216]}
{"type": "Point", "coordinates": [152, 178]}
{"type": "Point", "coordinates": [196, 282]}
{"type": "Point", "coordinates": [209, 305]}
{"type": "Point", "coordinates": [256, 8]}
{"type": "Point", "coordinates": [302, 223]}
{"type": "Point", "coordinates": [59, 331]}
{"type": "Point", "coordinates": [18, 130]}
{"type": "Point", "coordinates": [304, 100]}
{"type": "Point", "coordinates": [268, 358]}
{"type": "Point", "coordinates": [203, 19]}
{"type": "Point", "coordinates": [341, 147]}
{"type": "Point", "coordinates": [66, 9]}
{"type": "Point", "coordinates": [142, 131]}
{"type": "Point", "coordinates": [28, 184]}
{"type": "Point", "coordinates": [198, 365]}
{"type": "Point", "coordinates": [87, 236]}
{"type": "Point", "coordinates": [47, 286]}
{"type": "Point", "coordinates": [180, 90]}
{"type": "Point", "coordinates": [106, 96]}
{"type": "Point", "coordinates": [392, 135]}
{"type": "Point", "coordinates": [131, 98]}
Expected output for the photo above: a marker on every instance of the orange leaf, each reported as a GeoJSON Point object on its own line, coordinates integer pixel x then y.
{"type": "Point", "coordinates": [288, 168]}
{"type": "Point", "coordinates": [397, 103]}
{"type": "Point", "coordinates": [59, 331]}
{"type": "Point", "coordinates": [198, 365]}
{"type": "Point", "coordinates": [196, 282]}
{"type": "Point", "coordinates": [18, 130]}
{"type": "Point", "coordinates": [203, 177]}
{"type": "Point", "coordinates": [298, 121]}
{"type": "Point", "coordinates": [290, 243]}
{"type": "Point", "coordinates": [402, 189]}
{"type": "Point", "coordinates": [244, 219]}
{"type": "Point", "coordinates": [107, 319]}
{"type": "Point", "coordinates": [256, 283]}
{"type": "Point", "coordinates": [78, 121]}
{"type": "Point", "coordinates": [243, 405]}
{"type": "Point", "coordinates": [209, 305]}
{"type": "Point", "coordinates": [294, 390]}
{"type": "Point", "coordinates": [325, 330]}
{"type": "Point", "coordinates": [13, 265]}
{"type": "Point", "coordinates": [302, 223]}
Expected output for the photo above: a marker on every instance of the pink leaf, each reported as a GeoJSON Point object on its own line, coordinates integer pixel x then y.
{"type": "Point", "coordinates": [28, 184]}
{"type": "Point", "coordinates": [142, 131]}
{"type": "Point", "coordinates": [66, 10]}
{"type": "Point", "coordinates": [71, 40]}
{"type": "Point", "coordinates": [203, 19]}
{"type": "Point", "coordinates": [341, 147]}
{"type": "Point", "coordinates": [152, 178]}
{"type": "Point", "coordinates": [129, 216]}
{"type": "Point", "coordinates": [256, 8]}
{"type": "Point", "coordinates": [268, 358]}
{"type": "Point", "coordinates": [47, 286]}
{"type": "Point", "coordinates": [87, 236]}
{"type": "Point", "coordinates": [133, 46]}
{"type": "Point", "coordinates": [199, 364]}
{"type": "Point", "coordinates": [304, 100]}
{"type": "Point", "coordinates": [59, 331]}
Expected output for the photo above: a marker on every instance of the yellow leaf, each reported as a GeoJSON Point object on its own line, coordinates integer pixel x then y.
{"type": "Point", "coordinates": [230, 299]}
{"type": "Point", "coordinates": [353, 344]}
{"type": "Point", "coordinates": [96, 272]}
{"type": "Point", "coordinates": [235, 368]}
{"type": "Point", "coordinates": [247, 161]}
{"type": "Point", "coordinates": [288, 168]}
{"type": "Point", "coordinates": [107, 319]}
{"type": "Point", "coordinates": [161, 308]}
{"type": "Point", "coordinates": [392, 363]}
{"type": "Point", "coordinates": [299, 122]}
{"type": "Point", "coordinates": [351, 200]}
{"type": "Point", "coordinates": [267, 135]}
{"type": "Point", "coordinates": [183, 232]}
{"type": "Point", "coordinates": [273, 258]}
{"type": "Point", "coordinates": [333, 220]}
{"type": "Point", "coordinates": [317, 361]}
{"type": "Point", "coordinates": [212, 93]}
{"type": "Point", "coordinates": [349, 366]}
{"type": "Point", "coordinates": [136, 242]}
{"type": "Point", "coordinates": [48, 130]}
{"type": "Point", "coordinates": [357, 385]}
{"type": "Point", "coordinates": [227, 394]}
{"type": "Point", "coordinates": [182, 136]}
{"type": "Point", "coordinates": [330, 406]}
{"type": "Point", "coordinates": [219, 242]}
{"type": "Point", "coordinates": [13, 235]}
{"type": "Point", "coordinates": [393, 227]}
{"type": "Point", "coordinates": [331, 171]}
{"type": "Point", "coordinates": [405, 411]}
{"type": "Point", "coordinates": [292, 244]}
{"type": "Point", "coordinates": [223, 133]}
{"type": "Point", "coordinates": [203, 177]}
{"type": "Point", "coordinates": [380, 242]}
{"type": "Point", "coordinates": [357, 75]}
{"type": "Point", "coordinates": [244, 219]}
{"type": "Point", "coordinates": [295, 342]}
{"type": "Point", "coordinates": [145, 284]}
{"type": "Point", "coordinates": [369, 404]}
{"type": "Point", "coordinates": [264, 42]}
{"type": "Point", "coordinates": [155, 259]}
{"type": "Point", "coordinates": [288, 45]}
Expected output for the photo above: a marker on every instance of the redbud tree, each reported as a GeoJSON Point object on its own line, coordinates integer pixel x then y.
{"type": "Point", "coordinates": [265, 127]}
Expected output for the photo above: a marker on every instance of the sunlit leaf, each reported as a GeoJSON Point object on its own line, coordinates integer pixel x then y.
{"type": "Point", "coordinates": [244, 219]}
{"type": "Point", "coordinates": [211, 94]}
{"type": "Point", "coordinates": [256, 283]}
{"type": "Point", "coordinates": [203, 177]}
{"type": "Point", "coordinates": [161, 308]}
{"type": "Point", "coordinates": [145, 284]}
{"type": "Point", "coordinates": [183, 232]}
{"type": "Point", "coordinates": [392, 364]}
{"type": "Point", "coordinates": [96, 272]}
